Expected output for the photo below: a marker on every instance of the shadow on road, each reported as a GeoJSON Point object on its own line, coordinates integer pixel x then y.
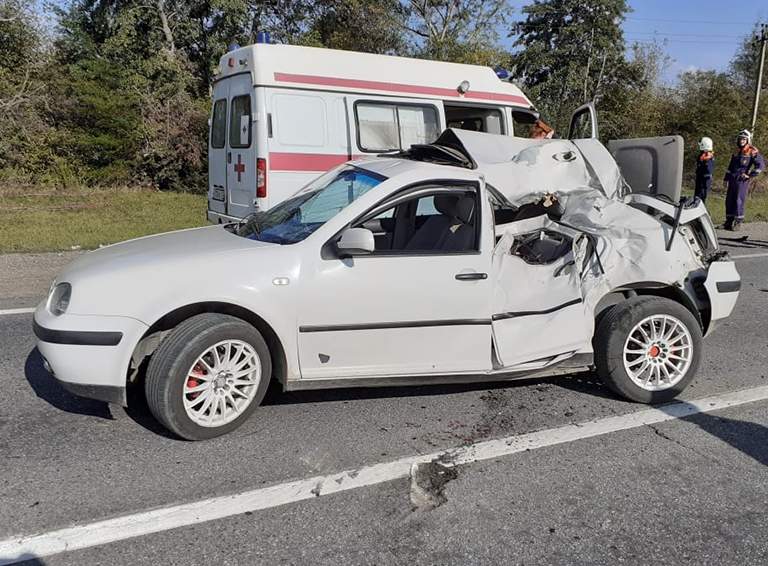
{"type": "Point", "coordinates": [744, 242]}
{"type": "Point", "coordinates": [747, 437]}
{"type": "Point", "coordinates": [22, 560]}
{"type": "Point", "coordinates": [48, 389]}
{"type": "Point", "coordinates": [276, 396]}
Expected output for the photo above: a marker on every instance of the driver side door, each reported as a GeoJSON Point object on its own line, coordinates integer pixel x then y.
{"type": "Point", "coordinates": [418, 305]}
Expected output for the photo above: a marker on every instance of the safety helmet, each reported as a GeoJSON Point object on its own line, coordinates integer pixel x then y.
{"type": "Point", "coordinates": [705, 144]}
{"type": "Point", "coordinates": [746, 134]}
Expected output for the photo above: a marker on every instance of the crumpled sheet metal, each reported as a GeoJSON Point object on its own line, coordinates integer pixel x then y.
{"type": "Point", "coordinates": [520, 167]}
{"type": "Point", "coordinates": [589, 188]}
{"type": "Point", "coordinates": [630, 244]}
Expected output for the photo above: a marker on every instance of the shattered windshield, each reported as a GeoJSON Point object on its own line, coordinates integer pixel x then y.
{"type": "Point", "coordinates": [293, 220]}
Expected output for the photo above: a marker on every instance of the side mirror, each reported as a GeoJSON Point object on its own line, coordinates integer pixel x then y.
{"type": "Point", "coordinates": [356, 241]}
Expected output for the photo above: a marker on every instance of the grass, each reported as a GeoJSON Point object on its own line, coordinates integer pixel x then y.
{"type": "Point", "coordinates": [49, 220]}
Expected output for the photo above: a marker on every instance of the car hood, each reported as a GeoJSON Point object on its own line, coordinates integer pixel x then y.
{"type": "Point", "coordinates": [162, 249]}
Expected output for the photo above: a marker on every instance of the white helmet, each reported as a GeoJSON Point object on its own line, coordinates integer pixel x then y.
{"type": "Point", "coordinates": [745, 134]}
{"type": "Point", "coordinates": [705, 144]}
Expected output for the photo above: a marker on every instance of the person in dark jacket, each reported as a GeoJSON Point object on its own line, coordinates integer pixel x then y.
{"type": "Point", "coordinates": [705, 168]}
{"type": "Point", "coordinates": [745, 164]}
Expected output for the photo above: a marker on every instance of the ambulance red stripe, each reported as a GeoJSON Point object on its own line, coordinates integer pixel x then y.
{"type": "Point", "coordinates": [305, 161]}
{"type": "Point", "coordinates": [399, 88]}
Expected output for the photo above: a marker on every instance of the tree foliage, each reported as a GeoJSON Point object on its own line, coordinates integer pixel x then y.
{"type": "Point", "coordinates": [463, 31]}
{"type": "Point", "coordinates": [573, 51]}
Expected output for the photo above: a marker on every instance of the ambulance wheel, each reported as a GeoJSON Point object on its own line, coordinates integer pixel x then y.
{"type": "Point", "coordinates": [207, 376]}
{"type": "Point", "coordinates": [647, 349]}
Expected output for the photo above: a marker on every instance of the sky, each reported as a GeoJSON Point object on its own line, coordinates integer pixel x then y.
{"type": "Point", "coordinates": [697, 34]}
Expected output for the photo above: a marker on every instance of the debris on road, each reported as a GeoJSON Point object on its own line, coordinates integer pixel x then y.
{"type": "Point", "coordinates": [428, 482]}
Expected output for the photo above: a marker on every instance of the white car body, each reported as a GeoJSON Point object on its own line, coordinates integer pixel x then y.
{"type": "Point", "coordinates": [485, 313]}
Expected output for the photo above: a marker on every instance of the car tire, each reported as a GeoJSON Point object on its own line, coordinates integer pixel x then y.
{"type": "Point", "coordinates": [634, 356]}
{"type": "Point", "coordinates": [202, 353]}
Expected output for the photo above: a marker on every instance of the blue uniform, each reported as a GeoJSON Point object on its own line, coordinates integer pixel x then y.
{"type": "Point", "coordinates": [705, 169]}
{"type": "Point", "coordinates": [745, 164]}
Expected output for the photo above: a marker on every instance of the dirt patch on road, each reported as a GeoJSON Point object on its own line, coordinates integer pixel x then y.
{"type": "Point", "coordinates": [428, 482]}
{"type": "Point", "coordinates": [26, 278]}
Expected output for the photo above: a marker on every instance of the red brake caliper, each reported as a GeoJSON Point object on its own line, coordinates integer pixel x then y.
{"type": "Point", "coordinates": [194, 379]}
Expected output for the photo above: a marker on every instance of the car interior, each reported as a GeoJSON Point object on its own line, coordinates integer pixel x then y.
{"type": "Point", "coordinates": [445, 221]}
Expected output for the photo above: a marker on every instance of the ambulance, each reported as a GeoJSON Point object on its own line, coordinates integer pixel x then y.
{"type": "Point", "coordinates": [284, 114]}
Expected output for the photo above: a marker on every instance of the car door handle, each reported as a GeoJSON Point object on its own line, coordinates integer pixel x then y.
{"type": "Point", "coordinates": [471, 276]}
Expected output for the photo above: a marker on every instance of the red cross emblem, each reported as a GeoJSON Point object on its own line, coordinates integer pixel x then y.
{"type": "Point", "coordinates": [239, 167]}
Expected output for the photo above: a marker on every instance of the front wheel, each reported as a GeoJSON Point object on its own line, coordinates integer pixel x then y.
{"type": "Point", "coordinates": [207, 376]}
{"type": "Point", "coordinates": [647, 349]}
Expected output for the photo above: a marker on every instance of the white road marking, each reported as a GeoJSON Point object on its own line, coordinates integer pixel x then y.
{"type": "Point", "coordinates": [167, 518]}
{"type": "Point", "coordinates": [750, 256]}
{"type": "Point", "coordinates": [17, 311]}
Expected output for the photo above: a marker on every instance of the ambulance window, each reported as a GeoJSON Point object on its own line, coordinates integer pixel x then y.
{"type": "Point", "coordinates": [240, 122]}
{"type": "Point", "coordinates": [474, 118]}
{"type": "Point", "coordinates": [390, 127]}
{"type": "Point", "coordinates": [219, 124]}
{"type": "Point", "coordinates": [377, 127]}
{"type": "Point", "coordinates": [418, 124]}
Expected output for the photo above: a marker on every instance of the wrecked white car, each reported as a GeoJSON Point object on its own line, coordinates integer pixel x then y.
{"type": "Point", "coordinates": [478, 257]}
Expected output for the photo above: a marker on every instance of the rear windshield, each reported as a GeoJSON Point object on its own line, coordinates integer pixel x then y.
{"type": "Point", "coordinates": [296, 218]}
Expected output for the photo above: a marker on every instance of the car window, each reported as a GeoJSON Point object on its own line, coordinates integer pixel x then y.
{"type": "Point", "coordinates": [219, 124]}
{"type": "Point", "coordinates": [296, 218]}
{"type": "Point", "coordinates": [240, 122]}
{"type": "Point", "coordinates": [441, 222]}
{"type": "Point", "coordinates": [503, 211]}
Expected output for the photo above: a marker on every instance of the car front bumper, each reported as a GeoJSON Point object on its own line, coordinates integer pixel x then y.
{"type": "Point", "coordinates": [89, 355]}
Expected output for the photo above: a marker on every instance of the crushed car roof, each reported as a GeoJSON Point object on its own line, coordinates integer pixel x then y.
{"type": "Point", "coordinates": [522, 167]}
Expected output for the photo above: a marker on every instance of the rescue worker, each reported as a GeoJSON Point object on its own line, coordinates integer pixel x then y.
{"type": "Point", "coordinates": [745, 164]}
{"type": "Point", "coordinates": [541, 131]}
{"type": "Point", "coordinates": [705, 168]}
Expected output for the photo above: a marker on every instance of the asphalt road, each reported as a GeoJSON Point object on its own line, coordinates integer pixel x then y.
{"type": "Point", "coordinates": [691, 490]}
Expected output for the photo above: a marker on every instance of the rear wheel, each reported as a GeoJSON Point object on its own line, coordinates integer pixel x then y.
{"type": "Point", "coordinates": [647, 349]}
{"type": "Point", "coordinates": [207, 376]}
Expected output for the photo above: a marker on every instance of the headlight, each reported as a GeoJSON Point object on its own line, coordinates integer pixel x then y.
{"type": "Point", "coordinates": [59, 298]}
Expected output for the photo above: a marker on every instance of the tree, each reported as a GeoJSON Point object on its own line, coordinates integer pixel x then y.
{"type": "Point", "coordinates": [22, 90]}
{"type": "Point", "coordinates": [462, 31]}
{"type": "Point", "coordinates": [371, 26]}
{"type": "Point", "coordinates": [572, 51]}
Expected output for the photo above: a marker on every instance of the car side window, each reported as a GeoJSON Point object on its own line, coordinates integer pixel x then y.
{"type": "Point", "coordinates": [442, 221]}
{"type": "Point", "coordinates": [503, 211]}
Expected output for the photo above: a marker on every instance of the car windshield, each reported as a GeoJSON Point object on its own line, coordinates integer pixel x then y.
{"type": "Point", "coordinates": [296, 218]}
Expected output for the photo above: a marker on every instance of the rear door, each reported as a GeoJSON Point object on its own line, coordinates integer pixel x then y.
{"type": "Point", "coordinates": [241, 147]}
{"type": "Point", "coordinates": [217, 149]}
{"type": "Point", "coordinates": [539, 313]}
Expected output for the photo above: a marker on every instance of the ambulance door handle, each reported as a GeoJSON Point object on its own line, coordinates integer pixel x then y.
{"type": "Point", "coordinates": [229, 157]}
